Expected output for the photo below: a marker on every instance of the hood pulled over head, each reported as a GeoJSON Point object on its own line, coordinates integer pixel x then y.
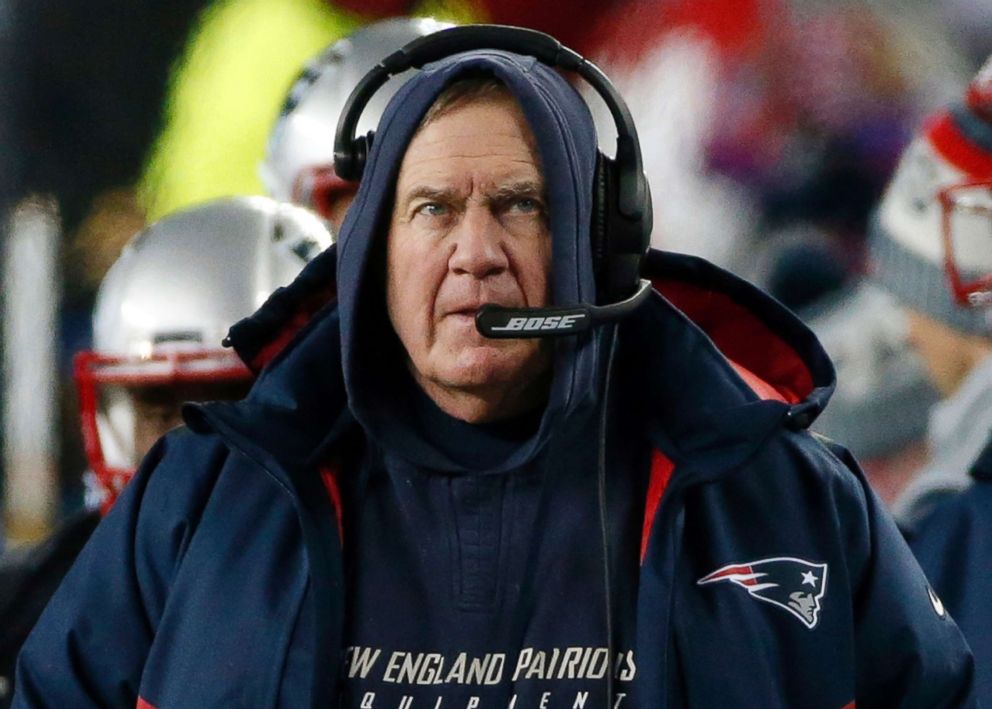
{"type": "Point", "coordinates": [372, 359]}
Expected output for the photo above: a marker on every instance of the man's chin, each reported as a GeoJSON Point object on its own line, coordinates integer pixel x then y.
{"type": "Point", "coordinates": [489, 381]}
{"type": "Point", "coordinates": [502, 363]}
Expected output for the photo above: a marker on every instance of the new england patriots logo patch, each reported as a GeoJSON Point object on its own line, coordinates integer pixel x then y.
{"type": "Point", "coordinates": [795, 585]}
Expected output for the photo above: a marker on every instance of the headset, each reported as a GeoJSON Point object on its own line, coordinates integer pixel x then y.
{"type": "Point", "coordinates": [621, 213]}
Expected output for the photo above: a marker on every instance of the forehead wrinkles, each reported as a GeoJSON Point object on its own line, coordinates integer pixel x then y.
{"type": "Point", "coordinates": [485, 137]}
{"type": "Point", "coordinates": [468, 175]}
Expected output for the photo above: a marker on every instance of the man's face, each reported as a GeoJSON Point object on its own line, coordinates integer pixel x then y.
{"type": "Point", "coordinates": [469, 227]}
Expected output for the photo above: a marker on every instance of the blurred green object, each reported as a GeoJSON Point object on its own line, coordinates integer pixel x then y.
{"type": "Point", "coordinates": [225, 94]}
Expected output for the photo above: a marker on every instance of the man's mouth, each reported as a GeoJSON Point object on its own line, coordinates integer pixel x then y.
{"type": "Point", "coordinates": [468, 311]}
{"type": "Point", "coordinates": [464, 316]}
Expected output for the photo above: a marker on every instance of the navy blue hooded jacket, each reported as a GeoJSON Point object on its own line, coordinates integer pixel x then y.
{"type": "Point", "coordinates": [769, 574]}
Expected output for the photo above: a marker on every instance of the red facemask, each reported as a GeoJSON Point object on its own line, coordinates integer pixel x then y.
{"type": "Point", "coordinates": [92, 370]}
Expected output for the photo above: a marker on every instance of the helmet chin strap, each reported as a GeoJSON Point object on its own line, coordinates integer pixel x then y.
{"type": "Point", "coordinates": [499, 323]}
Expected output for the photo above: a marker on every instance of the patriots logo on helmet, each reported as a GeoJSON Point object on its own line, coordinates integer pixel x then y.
{"type": "Point", "coordinates": [795, 585]}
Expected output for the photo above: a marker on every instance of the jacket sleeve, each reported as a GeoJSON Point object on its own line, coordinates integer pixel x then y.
{"type": "Point", "coordinates": [88, 648]}
{"type": "Point", "coordinates": [910, 652]}
{"type": "Point", "coordinates": [955, 550]}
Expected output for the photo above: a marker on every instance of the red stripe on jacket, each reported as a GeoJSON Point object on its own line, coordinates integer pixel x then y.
{"type": "Point", "coordinates": [291, 327]}
{"type": "Point", "coordinates": [329, 476]}
{"type": "Point", "coordinates": [661, 473]}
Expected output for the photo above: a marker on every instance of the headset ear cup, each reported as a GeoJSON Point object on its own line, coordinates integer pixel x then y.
{"type": "Point", "coordinates": [354, 166]}
{"type": "Point", "coordinates": [619, 241]}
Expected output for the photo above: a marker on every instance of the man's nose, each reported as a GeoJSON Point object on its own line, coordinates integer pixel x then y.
{"type": "Point", "coordinates": [479, 244]}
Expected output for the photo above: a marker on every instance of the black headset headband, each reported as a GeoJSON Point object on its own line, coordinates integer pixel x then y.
{"type": "Point", "coordinates": [348, 162]}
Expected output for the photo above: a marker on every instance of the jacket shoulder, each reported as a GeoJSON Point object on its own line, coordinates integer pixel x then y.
{"type": "Point", "coordinates": [74, 657]}
{"type": "Point", "coordinates": [179, 473]}
{"type": "Point", "coordinates": [819, 461]}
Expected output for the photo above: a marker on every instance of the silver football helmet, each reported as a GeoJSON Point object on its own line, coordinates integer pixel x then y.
{"type": "Point", "coordinates": [299, 160]}
{"type": "Point", "coordinates": [167, 303]}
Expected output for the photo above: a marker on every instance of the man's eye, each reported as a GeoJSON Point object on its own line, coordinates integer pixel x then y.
{"type": "Point", "coordinates": [432, 209]}
{"type": "Point", "coordinates": [527, 205]}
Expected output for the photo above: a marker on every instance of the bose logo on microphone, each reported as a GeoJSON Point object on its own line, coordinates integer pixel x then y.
{"type": "Point", "coordinates": [548, 322]}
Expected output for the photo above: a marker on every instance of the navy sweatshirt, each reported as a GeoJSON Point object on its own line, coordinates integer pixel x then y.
{"type": "Point", "coordinates": [439, 563]}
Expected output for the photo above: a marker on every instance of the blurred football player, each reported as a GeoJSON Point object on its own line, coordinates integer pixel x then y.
{"type": "Point", "coordinates": [299, 158]}
{"type": "Point", "coordinates": [161, 314]}
{"type": "Point", "coordinates": [159, 319]}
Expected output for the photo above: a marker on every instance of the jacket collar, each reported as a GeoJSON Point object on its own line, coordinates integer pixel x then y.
{"type": "Point", "coordinates": [719, 366]}
{"type": "Point", "coordinates": [724, 366]}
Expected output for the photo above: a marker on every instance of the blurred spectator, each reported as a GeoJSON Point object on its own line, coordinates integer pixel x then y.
{"type": "Point", "coordinates": [933, 249]}
{"type": "Point", "coordinates": [161, 313]}
{"type": "Point", "coordinates": [816, 122]}
{"type": "Point", "coordinates": [879, 410]}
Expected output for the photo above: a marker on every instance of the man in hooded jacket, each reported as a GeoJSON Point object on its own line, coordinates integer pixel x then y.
{"type": "Point", "coordinates": [402, 513]}
{"type": "Point", "coordinates": [932, 249]}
